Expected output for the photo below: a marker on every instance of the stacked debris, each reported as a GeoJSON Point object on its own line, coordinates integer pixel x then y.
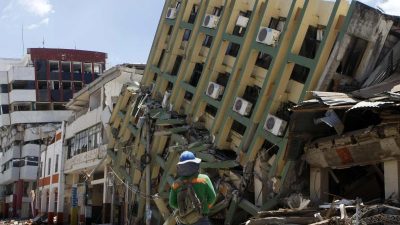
{"type": "Point", "coordinates": [145, 145]}
{"type": "Point", "coordinates": [342, 211]}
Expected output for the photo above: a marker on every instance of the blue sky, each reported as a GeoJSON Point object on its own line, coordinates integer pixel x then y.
{"type": "Point", "coordinates": [122, 28]}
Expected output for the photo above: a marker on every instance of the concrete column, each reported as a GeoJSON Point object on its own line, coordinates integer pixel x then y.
{"type": "Point", "coordinates": [319, 184]}
{"type": "Point", "coordinates": [106, 198]}
{"type": "Point", "coordinates": [60, 202]}
{"type": "Point", "coordinates": [50, 211]}
{"type": "Point", "coordinates": [392, 173]}
{"type": "Point", "coordinates": [43, 201]}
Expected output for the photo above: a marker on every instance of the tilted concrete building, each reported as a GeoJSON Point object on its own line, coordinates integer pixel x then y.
{"type": "Point", "coordinates": [238, 67]}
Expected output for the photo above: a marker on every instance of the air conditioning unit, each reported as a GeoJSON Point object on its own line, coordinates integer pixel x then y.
{"type": "Point", "coordinates": [242, 21]}
{"type": "Point", "coordinates": [214, 90]}
{"type": "Point", "coordinates": [210, 21]}
{"type": "Point", "coordinates": [268, 36]}
{"type": "Point", "coordinates": [242, 106]}
{"type": "Point", "coordinates": [171, 13]}
{"type": "Point", "coordinates": [275, 125]}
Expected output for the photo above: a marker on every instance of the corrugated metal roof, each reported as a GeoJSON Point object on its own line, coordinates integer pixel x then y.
{"type": "Point", "coordinates": [334, 98]}
{"type": "Point", "coordinates": [367, 104]}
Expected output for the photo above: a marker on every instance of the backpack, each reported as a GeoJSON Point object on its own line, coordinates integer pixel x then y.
{"type": "Point", "coordinates": [189, 205]}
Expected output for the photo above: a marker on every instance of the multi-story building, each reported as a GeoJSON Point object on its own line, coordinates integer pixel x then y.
{"type": "Point", "coordinates": [238, 67]}
{"type": "Point", "coordinates": [76, 171]}
{"type": "Point", "coordinates": [34, 90]}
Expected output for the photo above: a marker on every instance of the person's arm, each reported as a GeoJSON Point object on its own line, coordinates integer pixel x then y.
{"type": "Point", "coordinates": [173, 202]}
{"type": "Point", "coordinates": [210, 192]}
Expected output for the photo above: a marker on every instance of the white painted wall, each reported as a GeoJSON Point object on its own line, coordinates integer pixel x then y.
{"type": "Point", "coordinates": [3, 77]}
{"type": "Point", "coordinates": [9, 176]}
{"type": "Point", "coordinates": [21, 73]}
{"type": "Point", "coordinates": [85, 121]}
{"type": "Point", "coordinates": [28, 173]}
{"type": "Point", "coordinates": [31, 150]}
{"type": "Point", "coordinates": [22, 96]}
{"type": "Point", "coordinates": [51, 152]}
{"type": "Point", "coordinates": [39, 116]}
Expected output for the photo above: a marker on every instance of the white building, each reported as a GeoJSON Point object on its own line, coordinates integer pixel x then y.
{"type": "Point", "coordinates": [33, 91]}
{"type": "Point", "coordinates": [84, 138]}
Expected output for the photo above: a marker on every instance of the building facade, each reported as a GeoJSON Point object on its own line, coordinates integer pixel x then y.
{"type": "Point", "coordinates": [78, 191]}
{"type": "Point", "coordinates": [34, 90]}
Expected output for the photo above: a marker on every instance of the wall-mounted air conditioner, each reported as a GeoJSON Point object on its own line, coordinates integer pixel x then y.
{"type": "Point", "coordinates": [268, 36]}
{"type": "Point", "coordinates": [210, 21]}
{"type": "Point", "coordinates": [242, 21]}
{"type": "Point", "coordinates": [171, 13]}
{"type": "Point", "coordinates": [214, 90]}
{"type": "Point", "coordinates": [275, 125]}
{"type": "Point", "coordinates": [242, 106]}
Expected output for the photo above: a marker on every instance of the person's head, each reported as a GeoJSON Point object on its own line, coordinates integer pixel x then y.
{"type": "Point", "coordinates": [188, 164]}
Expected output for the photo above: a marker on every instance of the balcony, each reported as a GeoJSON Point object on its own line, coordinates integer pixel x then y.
{"type": "Point", "coordinates": [9, 176]}
{"type": "Point", "coordinates": [4, 98]}
{"type": "Point", "coordinates": [19, 95]}
{"type": "Point", "coordinates": [83, 121]}
{"type": "Point", "coordinates": [86, 159]}
{"type": "Point", "coordinates": [21, 73]}
{"type": "Point", "coordinates": [28, 173]}
{"type": "Point", "coordinates": [13, 152]}
{"type": "Point", "coordinates": [39, 116]}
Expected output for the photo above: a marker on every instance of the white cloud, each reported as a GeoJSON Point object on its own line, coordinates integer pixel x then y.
{"type": "Point", "coordinates": [391, 7]}
{"type": "Point", "coordinates": [38, 7]}
{"type": "Point", "coordinates": [44, 21]}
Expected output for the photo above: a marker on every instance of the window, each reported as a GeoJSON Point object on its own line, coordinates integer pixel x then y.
{"type": "Point", "coordinates": [56, 166]}
{"type": "Point", "coordinates": [32, 160]}
{"type": "Point", "coordinates": [186, 35]}
{"type": "Point", "coordinates": [263, 60]}
{"type": "Point", "coordinates": [3, 88]}
{"type": "Point", "coordinates": [211, 110]}
{"type": "Point", "coordinates": [54, 66]}
{"type": "Point", "coordinates": [193, 14]}
{"type": "Point", "coordinates": [194, 79]}
{"type": "Point", "coordinates": [23, 84]}
{"type": "Point", "coordinates": [66, 67]}
{"type": "Point", "coordinates": [161, 58]}
{"type": "Point", "coordinates": [233, 49]}
{"type": "Point", "coordinates": [77, 86]}
{"type": "Point", "coordinates": [55, 85]}
{"type": "Point", "coordinates": [18, 162]}
{"type": "Point", "coordinates": [310, 44]}
{"type": "Point", "coordinates": [170, 30]}
{"type": "Point", "coordinates": [87, 67]}
{"type": "Point", "coordinates": [300, 73]}
{"type": "Point", "coordinates": [97, 68]}
{"type": "Point", "coordinates": [217, 11]}
{"type": "Point", "coordinates": [207, 41]}
{"type": "Point", "coordinates": [77, 67]}
{"type": "Point", "coordinates": [176, 66]}
{"type": "Point", "coordinates": [49, 166]}
{"type": "Point", "coordinates": [42, 85]}
{"type": "Point", "coordinates": [95, 100]}
{"type": "Point", "coordinates": [4, 109]}
{"type": "Point", "coordinates": [353, 56]}
{"type": "Point", "coordinates": [66, 85]}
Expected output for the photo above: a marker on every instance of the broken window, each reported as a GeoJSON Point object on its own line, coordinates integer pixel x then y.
{"type": "Point", "coordinates": [177, 65]}
{"type": "Point", "coordinates": [263, 60]}
{"type": "Point", "coordinates": [207, 41]}
{"type": "Point", "coordinates": [233, 49]}
{"type": "Point", "coordinates": [77, 67]}
{"type": "Point", "coordinates": [193, 14]}
{"type": "Point", "coordinates": [194, 79]}
{"type": "Point", "coordinates": [54, 67]}
{"type": "Point", "coordinates": [186, 35]}
{"type": "Point", "coordinates": [66, 67]}
{"type": "Point", "coordinates": [352, 57]}
{"type": "Point", "coordinates": [310, 44]}
{"type": "Point", "coordinates": [211, 110]}
{"type": "Point", "coordinates": [300, 73]}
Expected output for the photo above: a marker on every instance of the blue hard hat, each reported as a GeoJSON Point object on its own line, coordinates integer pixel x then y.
{"type": "Point", "coordinates": [188, 156]}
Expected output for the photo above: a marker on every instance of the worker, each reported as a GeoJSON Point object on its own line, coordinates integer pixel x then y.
{"type": "Point", "coordinates": [192, 194]}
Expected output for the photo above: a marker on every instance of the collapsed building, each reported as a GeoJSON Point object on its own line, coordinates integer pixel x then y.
{"type": "Point", "coordinates": [224, 79]}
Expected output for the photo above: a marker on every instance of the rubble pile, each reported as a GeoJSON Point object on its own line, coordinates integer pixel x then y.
{"type": "Point", "coordinates": [145, 133]}
{"type": "Point", "coordinates": [346, 212]}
